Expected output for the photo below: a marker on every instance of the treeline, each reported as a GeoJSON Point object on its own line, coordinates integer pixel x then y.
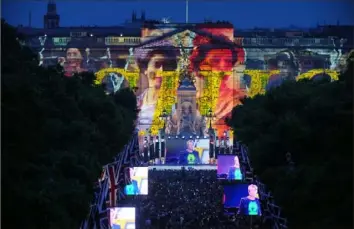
{"type": "Point", "coordinates": [57, 133]}
{"type": "Point", "coordinates": [300, 143]}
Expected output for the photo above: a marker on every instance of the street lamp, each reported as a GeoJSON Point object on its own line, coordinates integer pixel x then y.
{"type": "Point", "coordinates": [163, 118]}
{"type": "Point", "coordinates": [210, 115]}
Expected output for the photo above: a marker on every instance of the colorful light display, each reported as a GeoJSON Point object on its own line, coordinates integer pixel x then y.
{"type": "Point", "coordinates": [221, 71]}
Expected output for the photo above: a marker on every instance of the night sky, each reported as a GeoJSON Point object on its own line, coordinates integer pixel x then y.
{"type": "Point", "coordinates": [242, 13]}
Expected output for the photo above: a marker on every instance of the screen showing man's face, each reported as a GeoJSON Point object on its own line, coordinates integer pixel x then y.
{"type": "Point", "coordinates": [190, 145]}
{"type": "Point", "coordinates": [178, 151]}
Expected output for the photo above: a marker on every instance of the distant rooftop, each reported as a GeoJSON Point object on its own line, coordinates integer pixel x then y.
{"type": "Point", "coordinates": [95, 30]}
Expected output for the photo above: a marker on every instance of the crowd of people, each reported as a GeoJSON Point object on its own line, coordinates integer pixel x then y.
{"type": "Point", "coordinates": [184, 199]}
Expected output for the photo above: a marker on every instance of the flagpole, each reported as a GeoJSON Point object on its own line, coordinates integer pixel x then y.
{"type": "Point", "coordinates": [186, 11]}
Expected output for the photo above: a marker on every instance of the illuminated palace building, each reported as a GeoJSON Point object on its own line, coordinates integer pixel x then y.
{"type": "Point", "coordinates": [188, 77]}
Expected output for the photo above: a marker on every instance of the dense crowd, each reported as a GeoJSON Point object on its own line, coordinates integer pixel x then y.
{"type": "Point", "coordinates": [190, 199]}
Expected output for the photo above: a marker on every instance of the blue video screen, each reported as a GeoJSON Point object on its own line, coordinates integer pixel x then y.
{"type": "Point", "coordinates": [244, 197]}
{"type": "Point", "coordinates": [187, 151]}
{"type": "Point", "coordinates": [229, 167]}
{"type": "Point", "coordinates": [122, 218]}
{"type": "Point", "coordinates": [139, 181]}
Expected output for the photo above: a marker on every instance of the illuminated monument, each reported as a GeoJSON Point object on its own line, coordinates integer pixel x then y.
{"type": "Point", "coordinates": [223, 64]}
{"type": "Point", "coordinates": [187, 108]}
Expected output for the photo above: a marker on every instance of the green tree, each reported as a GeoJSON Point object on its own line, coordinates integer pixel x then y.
{"type": "Point", "coordinates": [313, 121]}
{"type": "Point", "coordinates": [57, 133]}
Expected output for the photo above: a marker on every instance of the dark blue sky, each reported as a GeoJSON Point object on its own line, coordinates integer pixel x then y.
{"type": "Point", "coordinates": [242, 13]}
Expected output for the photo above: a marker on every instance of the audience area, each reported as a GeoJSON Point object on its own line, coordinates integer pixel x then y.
{"type": "Point", "coordinates": [190, 199]}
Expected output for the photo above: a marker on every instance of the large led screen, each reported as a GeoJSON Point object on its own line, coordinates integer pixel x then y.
{"type": "Point", "coordinates": [139, 181]}
{"type": "Point", "coordinates": [122, 218]}
{"type": "Point", "coordinates": [187, 151]}
{"type": "Point", "coordinates": [244, 197]}
{"type": "Point", "coordinates": [228, 167]}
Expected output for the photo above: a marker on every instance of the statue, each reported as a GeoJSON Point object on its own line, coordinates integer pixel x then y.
{"type": "Point", "coordinates": [187, 124]}
{"type": "Point", "coordinates": [41, 57]}
{"type": "Point", "coordinates": [171, 126]}
{"type": "Point", "coordinates": [42, 40]}
{"type": "Point", "coordinates": [130, 59]}
{"type": "Point", "coordinates": [108, 58]}
{"type": "Point", "coordinates": [203, 127]}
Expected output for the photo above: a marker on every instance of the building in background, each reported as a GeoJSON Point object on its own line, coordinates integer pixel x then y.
{"type": "Point", "coordinates": [150, 47]}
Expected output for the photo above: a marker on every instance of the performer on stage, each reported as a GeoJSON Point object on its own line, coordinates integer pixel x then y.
{"type": "Point", "coordinates": [250, 205]}
{"type": "Point", "coordinates": [235, 171]}
{"type": "Point", "coordinates": [133, 188]}
{"type": "Point", "coordinates": [189, 156]}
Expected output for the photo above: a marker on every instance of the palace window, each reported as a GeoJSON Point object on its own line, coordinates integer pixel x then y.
{"type": "Point", "coordinates": [78, 34]}
{"type": "Point", "coordinates": [61, 41]}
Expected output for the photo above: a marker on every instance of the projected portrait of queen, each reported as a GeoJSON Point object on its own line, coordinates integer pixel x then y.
{"type": "Point", "coordinates": [73, 61]}
{"type": "Point", "coordinates": [150, 62]}
{"type": "Point", "coordinates": [224, 57]}
{"type": "Point", "coordinates": [287, 65]}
